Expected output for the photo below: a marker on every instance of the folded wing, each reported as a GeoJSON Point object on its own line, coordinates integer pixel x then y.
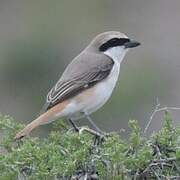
{"type": "Point", "coordinates": [84, 80]}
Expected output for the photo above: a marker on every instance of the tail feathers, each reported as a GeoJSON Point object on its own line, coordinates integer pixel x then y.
{"type": "Point", "coordinates": [45, 118]}
{"type": "Point", "coordinates": [26, 131]}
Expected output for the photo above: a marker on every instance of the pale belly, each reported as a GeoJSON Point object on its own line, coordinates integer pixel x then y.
{"type": "Point", "coordinates": [92, 99]}
{"type": "Point", "coordinates": [103, 92]}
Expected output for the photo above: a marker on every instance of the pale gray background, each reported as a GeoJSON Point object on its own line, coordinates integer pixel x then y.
{"type": "Point", "coordinates": [38, 38]}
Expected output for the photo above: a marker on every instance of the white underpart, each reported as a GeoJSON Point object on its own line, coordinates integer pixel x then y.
{"type": "Point", "coordinates": [103, 89]}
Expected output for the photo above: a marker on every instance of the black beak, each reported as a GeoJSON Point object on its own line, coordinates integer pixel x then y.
{"type": "Point", "coordinates": [131, 44]}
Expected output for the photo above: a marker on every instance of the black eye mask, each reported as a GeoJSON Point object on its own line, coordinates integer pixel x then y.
{"type": "Point", "coordinates": [113, 43]}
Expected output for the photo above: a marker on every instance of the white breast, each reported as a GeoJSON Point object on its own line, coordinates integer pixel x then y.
{"type": "Point", "coordinates": [105, 88]}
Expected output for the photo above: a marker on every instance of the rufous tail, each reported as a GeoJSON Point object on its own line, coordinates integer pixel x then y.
{"type": "Point", "coordinates": [37, 122]}
{"type": "Point", "coordinates": [45, 118]}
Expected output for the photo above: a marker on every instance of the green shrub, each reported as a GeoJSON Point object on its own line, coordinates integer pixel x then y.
{"type": "Point", "coordinates": [65, 154]}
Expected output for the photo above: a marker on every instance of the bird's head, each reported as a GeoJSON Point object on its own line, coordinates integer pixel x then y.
{"type": "Point", "coordinates": [113, 44]}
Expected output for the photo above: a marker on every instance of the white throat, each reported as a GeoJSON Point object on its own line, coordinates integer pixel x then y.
{"type": "Point", "coordinates": [116, 53]}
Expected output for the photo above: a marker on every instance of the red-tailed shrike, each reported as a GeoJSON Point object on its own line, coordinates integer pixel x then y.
{"type": "Point", "coordinates": [87, 82]}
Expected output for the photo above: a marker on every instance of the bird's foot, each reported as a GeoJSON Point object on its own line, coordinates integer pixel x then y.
{"type": "Point", "coordinates": [99, 136]}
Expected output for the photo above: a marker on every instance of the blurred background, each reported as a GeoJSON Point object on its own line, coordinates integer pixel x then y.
{"type": "Point", "coordinates": [38, 38]}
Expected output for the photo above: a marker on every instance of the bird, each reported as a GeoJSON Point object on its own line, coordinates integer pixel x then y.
{"type": "Point", "coordinates": [87, 82]}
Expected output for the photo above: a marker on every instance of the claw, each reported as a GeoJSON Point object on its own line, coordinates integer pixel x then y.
{"type": "Point", "coordinates": [99, 137]}
{"type": "Point", "coordinates": [20, 135]}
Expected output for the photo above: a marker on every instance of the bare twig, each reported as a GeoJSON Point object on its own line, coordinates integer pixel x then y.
{"type": "Point", "coordinates": [152, 115]}
{"type": "Point", "coordinates": [176, 166]}
{"type": "Point", "coordinates": [156, 175]}
{"type": "Point", "coordinates": [165, 160]}
{"type": "Point", "coordinates": [156, 110]}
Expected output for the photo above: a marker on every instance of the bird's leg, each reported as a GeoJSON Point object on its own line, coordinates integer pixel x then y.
{"type": "Point", "coordinates": [76, 128]}
{"type": "Point", "coordinates": [98, 137]}
{"type": "Point", "coordinates": [92, 123]}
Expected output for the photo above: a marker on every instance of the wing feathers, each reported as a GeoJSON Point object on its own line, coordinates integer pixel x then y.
{"type": "Point", "coordinates": [66, 89]}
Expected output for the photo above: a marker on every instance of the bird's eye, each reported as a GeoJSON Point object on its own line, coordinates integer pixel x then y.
{"type": "Point", "coordinates": [113, 43]}
{"type": "Point", "coordinates": [114, 40]}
